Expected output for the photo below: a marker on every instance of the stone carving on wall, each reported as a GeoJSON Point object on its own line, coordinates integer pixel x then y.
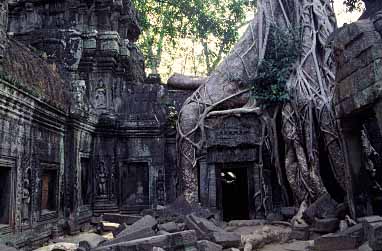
{"type": "Point", "coordinates": [100, 96]}
{"type": "Point", "coordinates": [26, 196]}
{"type": "Point", "coordinates": [102, 179]}
{"type": "Point", "coordinates": [78, 104]}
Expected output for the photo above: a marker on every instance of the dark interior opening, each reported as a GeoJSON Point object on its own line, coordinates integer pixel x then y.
{"type": "Point", "coordinates": [135, 183]}
{"type": "Point", "coordinates": [48, 189]}
{"type": "Point", "coordinates": [5, 200]}
{"type": "Point", "coordinates": [85, 181]}
{"type": "Point", "coordinates": [235, 202]}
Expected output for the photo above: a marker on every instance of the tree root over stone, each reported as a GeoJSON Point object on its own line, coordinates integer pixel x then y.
{"type": "Point", "coordinates": [307, 118]}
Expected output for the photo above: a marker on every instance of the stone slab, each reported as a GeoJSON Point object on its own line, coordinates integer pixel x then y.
{"type": "Point", "coordinates": [226, 239]}
{"type": "Point", "coordinates": [205, 245]}
{"type": "Point", "coordinates": [121, 218]}
{"type": "Point", "coordinates": [173, 241]}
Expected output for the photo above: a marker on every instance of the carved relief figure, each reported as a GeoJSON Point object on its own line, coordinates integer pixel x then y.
{"type": "Point", "coordinates": [78, 96]}
{"type": "Point", "coordinates": [26, 201]}
{"type": "Point", "coordinates": [100, 96]}
{"type": "Point", "coordinates": [102, 179]}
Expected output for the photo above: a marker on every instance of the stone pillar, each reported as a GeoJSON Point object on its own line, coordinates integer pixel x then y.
{"type": "Point", "coordinates": [3, 25]}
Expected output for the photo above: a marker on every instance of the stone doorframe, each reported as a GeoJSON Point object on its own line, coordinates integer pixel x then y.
{"type": "Point", "coordinates": [10, 163]}
{"type": "Point", "coordinates": [210, 187]}
{"type": "Point", "coordinates": [351, 127]}
{"type": "Point", "coordinates": [152, 180]}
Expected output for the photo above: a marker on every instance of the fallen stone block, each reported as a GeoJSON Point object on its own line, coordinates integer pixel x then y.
{"type": "Point", "coordinates": [7, 248]}
{"type": "Point", "coordinates": [329, 225]}
{"type": "Point", "coordinates": [121, 228]}
{"type": "Point", "coordinates": [185, 240]}
{"type": "Point", "coordinates": [158, 249]}
{"type": "Point", "coordinates": [324, 207]}
{"type": "Point", "coordinates": [138, 234]}
{"type": "Point", "coordinates": [349, 239]}
{"type": "Point", "coordinates": [105, 226]}
{"type": "Point", "coordinates": [202, 226]}
{"type": "Point", "coordinates": [192, 224]}
{"type": "Point", "coordinates": [170, 227]}
{"type": "Point", "coordinates": [374, 235]}
{"type": "Point", "coordinates": [205, 245]}
{"type": "Point", "coordinates": [246, 223]}
{"type": "Point", "coordinates": [121, 218]}
{"type": "Point", "coordinates": [226, 239]}
{"type": "Point", "coordinates": [365, 247]}
{"type": "Point", "coordinates": [300, 232]}
{"type": "Point", "coordinates": [147, 222]}
{"type": "Point", "coordinates": [62, 246]}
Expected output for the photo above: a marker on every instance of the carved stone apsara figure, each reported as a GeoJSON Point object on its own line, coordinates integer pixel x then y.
{"type": "Point", "coordinates": [100, 96]}
{"type": "Point", "coordinates": [78, 96]}
{"type": "Point", "coordinates": [102, 179]}
{"type": "Point", "coordinates": [26, 201]}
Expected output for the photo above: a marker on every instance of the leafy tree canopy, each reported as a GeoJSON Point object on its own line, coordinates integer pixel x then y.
{"type": "Point", "coordinates": [165, 22]}
{"type": "Point", "coordinates": [353, 4]}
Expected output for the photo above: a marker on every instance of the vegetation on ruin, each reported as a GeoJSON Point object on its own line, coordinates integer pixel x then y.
{"type": "Point", "coordinates": [284, 48]}
{"type": "Point", "coordinates": [211, 25]}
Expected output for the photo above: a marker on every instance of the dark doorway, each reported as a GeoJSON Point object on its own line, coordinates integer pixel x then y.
{"type": "Point", "coordinates": [134, 183]}
{"type": "Point", "coordinates": [234, 182]}
{"type": "Point", "coordinates": [86, 185]}
{"type": "Point", "coordinates": [48, 190]}
{"type": "Point", "coordinates": [5, 199]}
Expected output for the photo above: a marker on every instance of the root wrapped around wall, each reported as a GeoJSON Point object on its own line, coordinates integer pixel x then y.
{"type": "Point", "coordinates": [308, 124]}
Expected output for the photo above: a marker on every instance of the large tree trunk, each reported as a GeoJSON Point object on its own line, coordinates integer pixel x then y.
{"type": "Point", "coordinates": [306, 116]}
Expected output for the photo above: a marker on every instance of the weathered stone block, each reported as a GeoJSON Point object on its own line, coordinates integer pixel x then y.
{"type": "Point", "coordinates": [226, 239]}
{"type": "Point", "coordinates": [374, 235]}
{"type": "Point", "coordinates": [324, 207]}
{"type": "Point", "coordinates": [185, 240]}
{"type": "Point", "coordinates": [328, 225]}
{"type": "Point", "coordinates": [121, 218]}
{"type": "Point", "coordinates": [349, 239]}
{"type": "Point", "coordinates": [170, 227]}
{"type": "Point", "coordinates": [147, 222]}
{"type": "Point", "coordinates": [109, 41]}
{"type": "Point", "coordinates": [205, 245]}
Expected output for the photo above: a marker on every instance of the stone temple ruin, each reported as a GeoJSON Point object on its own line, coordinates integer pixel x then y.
{"type": "Point", "coordinates": [87, 136]}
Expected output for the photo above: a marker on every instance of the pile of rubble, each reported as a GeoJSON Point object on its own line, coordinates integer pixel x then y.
{"type": "Point", "coordinates": [323, 226]}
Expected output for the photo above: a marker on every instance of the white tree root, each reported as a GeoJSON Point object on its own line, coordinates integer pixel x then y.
{"type": "Point", "coordinates": [306, 117]}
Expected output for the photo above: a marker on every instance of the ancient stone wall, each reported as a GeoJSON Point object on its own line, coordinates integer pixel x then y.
{"type": "Point", "coordinates": [358, 107]}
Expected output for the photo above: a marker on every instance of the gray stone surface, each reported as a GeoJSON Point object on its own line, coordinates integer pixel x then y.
{"type": "Point", "coordinates": [205, 245]}
{"type": "Point", "coordinates": [175, 241]}
{"type": "Point", "coordinates": [170, 227]}
{"type": "Point", "coordinates": [226, 239]}
{"type": "Point", "coordinates": [349, 239]}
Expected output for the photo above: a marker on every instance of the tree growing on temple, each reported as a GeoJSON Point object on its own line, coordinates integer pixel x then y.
{"type": "Point", "coordinates": [281, 69]}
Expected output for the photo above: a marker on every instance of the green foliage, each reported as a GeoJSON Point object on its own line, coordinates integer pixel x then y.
{"type": "Point", "coordinates": [283, 51]}
{"type": "Point", "coordinates": [352, 5]}
{"type": "Point", "coordinates": [165, 22]}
